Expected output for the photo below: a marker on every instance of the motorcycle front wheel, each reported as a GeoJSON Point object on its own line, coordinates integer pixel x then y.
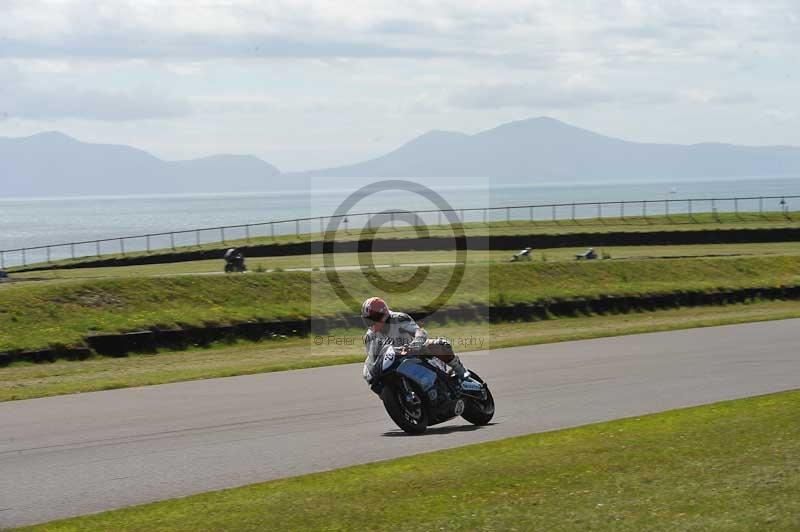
{"type": "Point", "coordinates": [479, 411]}
{"type": "Point", "coordinates": [404, 405]}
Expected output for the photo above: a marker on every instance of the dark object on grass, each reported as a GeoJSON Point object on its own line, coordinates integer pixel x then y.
{"type": "Point", "coordinates": [589, 254]}
{"type": "Point", "coordinates": [234, 261]}
{"type": "Point", "coordinates": [3, 275]}
{"type": "Point", "coordinates": [522, 255]}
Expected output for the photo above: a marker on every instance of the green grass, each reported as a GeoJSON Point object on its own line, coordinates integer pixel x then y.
{"type": "Point", "coordinates": [28, 380]}
{"type": "Point", "coordinates": [723, 467]}
{"type": "Point", "coordinates": [36, 316]}
{"type": "Point", "coordinates": [541, 226]}
{"type": "Point", "coordinates": [411, 257]}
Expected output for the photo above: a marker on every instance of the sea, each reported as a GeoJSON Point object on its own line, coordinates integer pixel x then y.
{"type": "Point", "coordinates": [45, 221]}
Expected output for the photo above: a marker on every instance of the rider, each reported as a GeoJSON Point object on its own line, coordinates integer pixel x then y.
{"type": "Point", "coordinates": [400, 330]}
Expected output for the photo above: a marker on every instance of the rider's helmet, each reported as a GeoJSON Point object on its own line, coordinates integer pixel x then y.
{"type": "Point", "coordinates": [374, 312]}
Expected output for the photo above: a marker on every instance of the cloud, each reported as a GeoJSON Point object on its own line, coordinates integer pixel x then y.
{"type": "Point", "coordinates": [21, 101]}
{"type": "Point", "coordinates": [543, 96]}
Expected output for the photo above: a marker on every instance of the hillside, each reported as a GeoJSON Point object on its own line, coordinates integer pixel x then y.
{"type": "Point", "coordinates": [544, 149]}
{"type": "Point", "coordinates": [54, 164]}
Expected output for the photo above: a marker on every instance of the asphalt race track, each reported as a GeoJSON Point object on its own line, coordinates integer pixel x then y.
{"type": "Point", "coordinates": [78, 454]}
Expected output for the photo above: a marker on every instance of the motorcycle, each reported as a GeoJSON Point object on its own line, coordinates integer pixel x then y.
{"type": "Point", "coordinates": [420, 390]}
{"type": "Point", "coordinates": [235, 265]}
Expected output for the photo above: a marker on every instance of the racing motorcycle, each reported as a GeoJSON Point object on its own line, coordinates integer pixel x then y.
{"type": "Point", "coordinates": [420, 390]}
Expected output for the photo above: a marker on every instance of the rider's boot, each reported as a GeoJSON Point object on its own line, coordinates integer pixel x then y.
{"type": "Point", "coordinates": [458, 367]}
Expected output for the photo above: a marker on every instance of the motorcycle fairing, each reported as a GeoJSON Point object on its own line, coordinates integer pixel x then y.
{"type": "Point", "coordinates": [418, 373]}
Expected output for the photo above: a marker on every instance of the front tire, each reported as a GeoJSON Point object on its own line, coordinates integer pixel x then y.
{"type": "Point", "coordinates": [404, 405]}
{"type": "Point", "coordinates": [479, 411]}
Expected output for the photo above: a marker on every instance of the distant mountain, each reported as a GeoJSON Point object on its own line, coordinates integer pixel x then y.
{"type": "Point", "coordinates": [54, 164]}
{"type": "Point", "coordinates": [544, 150]}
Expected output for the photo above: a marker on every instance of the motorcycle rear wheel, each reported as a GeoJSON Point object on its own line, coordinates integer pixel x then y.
{"type": "Point", "coordinates": [411, 417]}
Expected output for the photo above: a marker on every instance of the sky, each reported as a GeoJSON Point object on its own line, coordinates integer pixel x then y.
{"type": "Point", "coordinates": [310, 84]}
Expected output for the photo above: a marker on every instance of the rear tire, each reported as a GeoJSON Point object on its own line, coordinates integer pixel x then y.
{"type": "Point", "coordinates": [479, 411]}
{"type": "Point", "coordinates": [411, 417]}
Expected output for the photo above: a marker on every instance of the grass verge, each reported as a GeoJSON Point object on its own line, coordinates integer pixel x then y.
{"type": "Point", "coordinates": [726, 466]}
{"type": "Point", "coordinates": [261, 264]}
{"type": "Point", "coordinates": [39, 316]}
{"type": "Point", "coordinates": [28, 380]}
{"type": "Point", "coordinates": [541, 225]}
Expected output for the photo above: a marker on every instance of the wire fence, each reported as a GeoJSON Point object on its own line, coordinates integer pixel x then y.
{"type": "Point", "coordinates": [693, 210]}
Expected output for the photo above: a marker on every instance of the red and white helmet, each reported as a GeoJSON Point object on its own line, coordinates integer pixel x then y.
{"type": "Point", "coordinates": [374, 311]}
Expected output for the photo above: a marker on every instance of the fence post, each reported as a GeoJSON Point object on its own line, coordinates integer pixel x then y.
{"type": "Point", "coordinates": [573, 213]}
{"type": "Point", "coordinates": [272, 230]}
{"type": "Point", "coordinates": [172, 241]}
{"type": "Point", "coordinates": [599, 211]}
{"type": "Point", "coordinates": [439, 218]}
{"type": "Point", "coordinates": [462, 215]}
{"type": "Point", "coordinates": [197, 237]}
{"type": "Point", "coordinates": [321, 228]}
{"type": "Point", "coordinates": [666, 209]}
{"type": "Point", "coordinates": [3, 260]}
{"type": "Point", "coordinates": [24, 258]}
{"type": "Point", "coordinates": [484, 216]}
{"type": "Point", "coordinates": [222, 234]}
{"type": "Point", "coordinates": [554, 212]}
{"type": "Point", "coordinates": [48, 254]}
{"type": "Point", "coordinates": [690, 211]}
{"type": "Point", "coordinates": [297, 228]}
{"type": "Point", "coordinates": [644, 209]}
{"type": "Point", "coordinates": [391, 217]}
{"type": "Point", "coordinates": [147, 238]}
{"type": "Point", "coordinates": [508, 214]}
{"type": "Point", "coordinates": [72, 251]}
{"type": "Point", "coordinates": [122, 246]}
{"type": "Point", "coordinates": [622, 210]}
{"type": "Point", "coordinates": [530, 213]}
{"type": "Point", "coordinates": [736, 206]}
{"type": "Point", "coordinates": [761, 206]}
{"type": "Point", "coordinates": [97, 247]}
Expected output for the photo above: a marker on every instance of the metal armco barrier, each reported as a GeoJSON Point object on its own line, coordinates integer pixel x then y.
{"type": "Point", "coordinates": [575, 213]}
